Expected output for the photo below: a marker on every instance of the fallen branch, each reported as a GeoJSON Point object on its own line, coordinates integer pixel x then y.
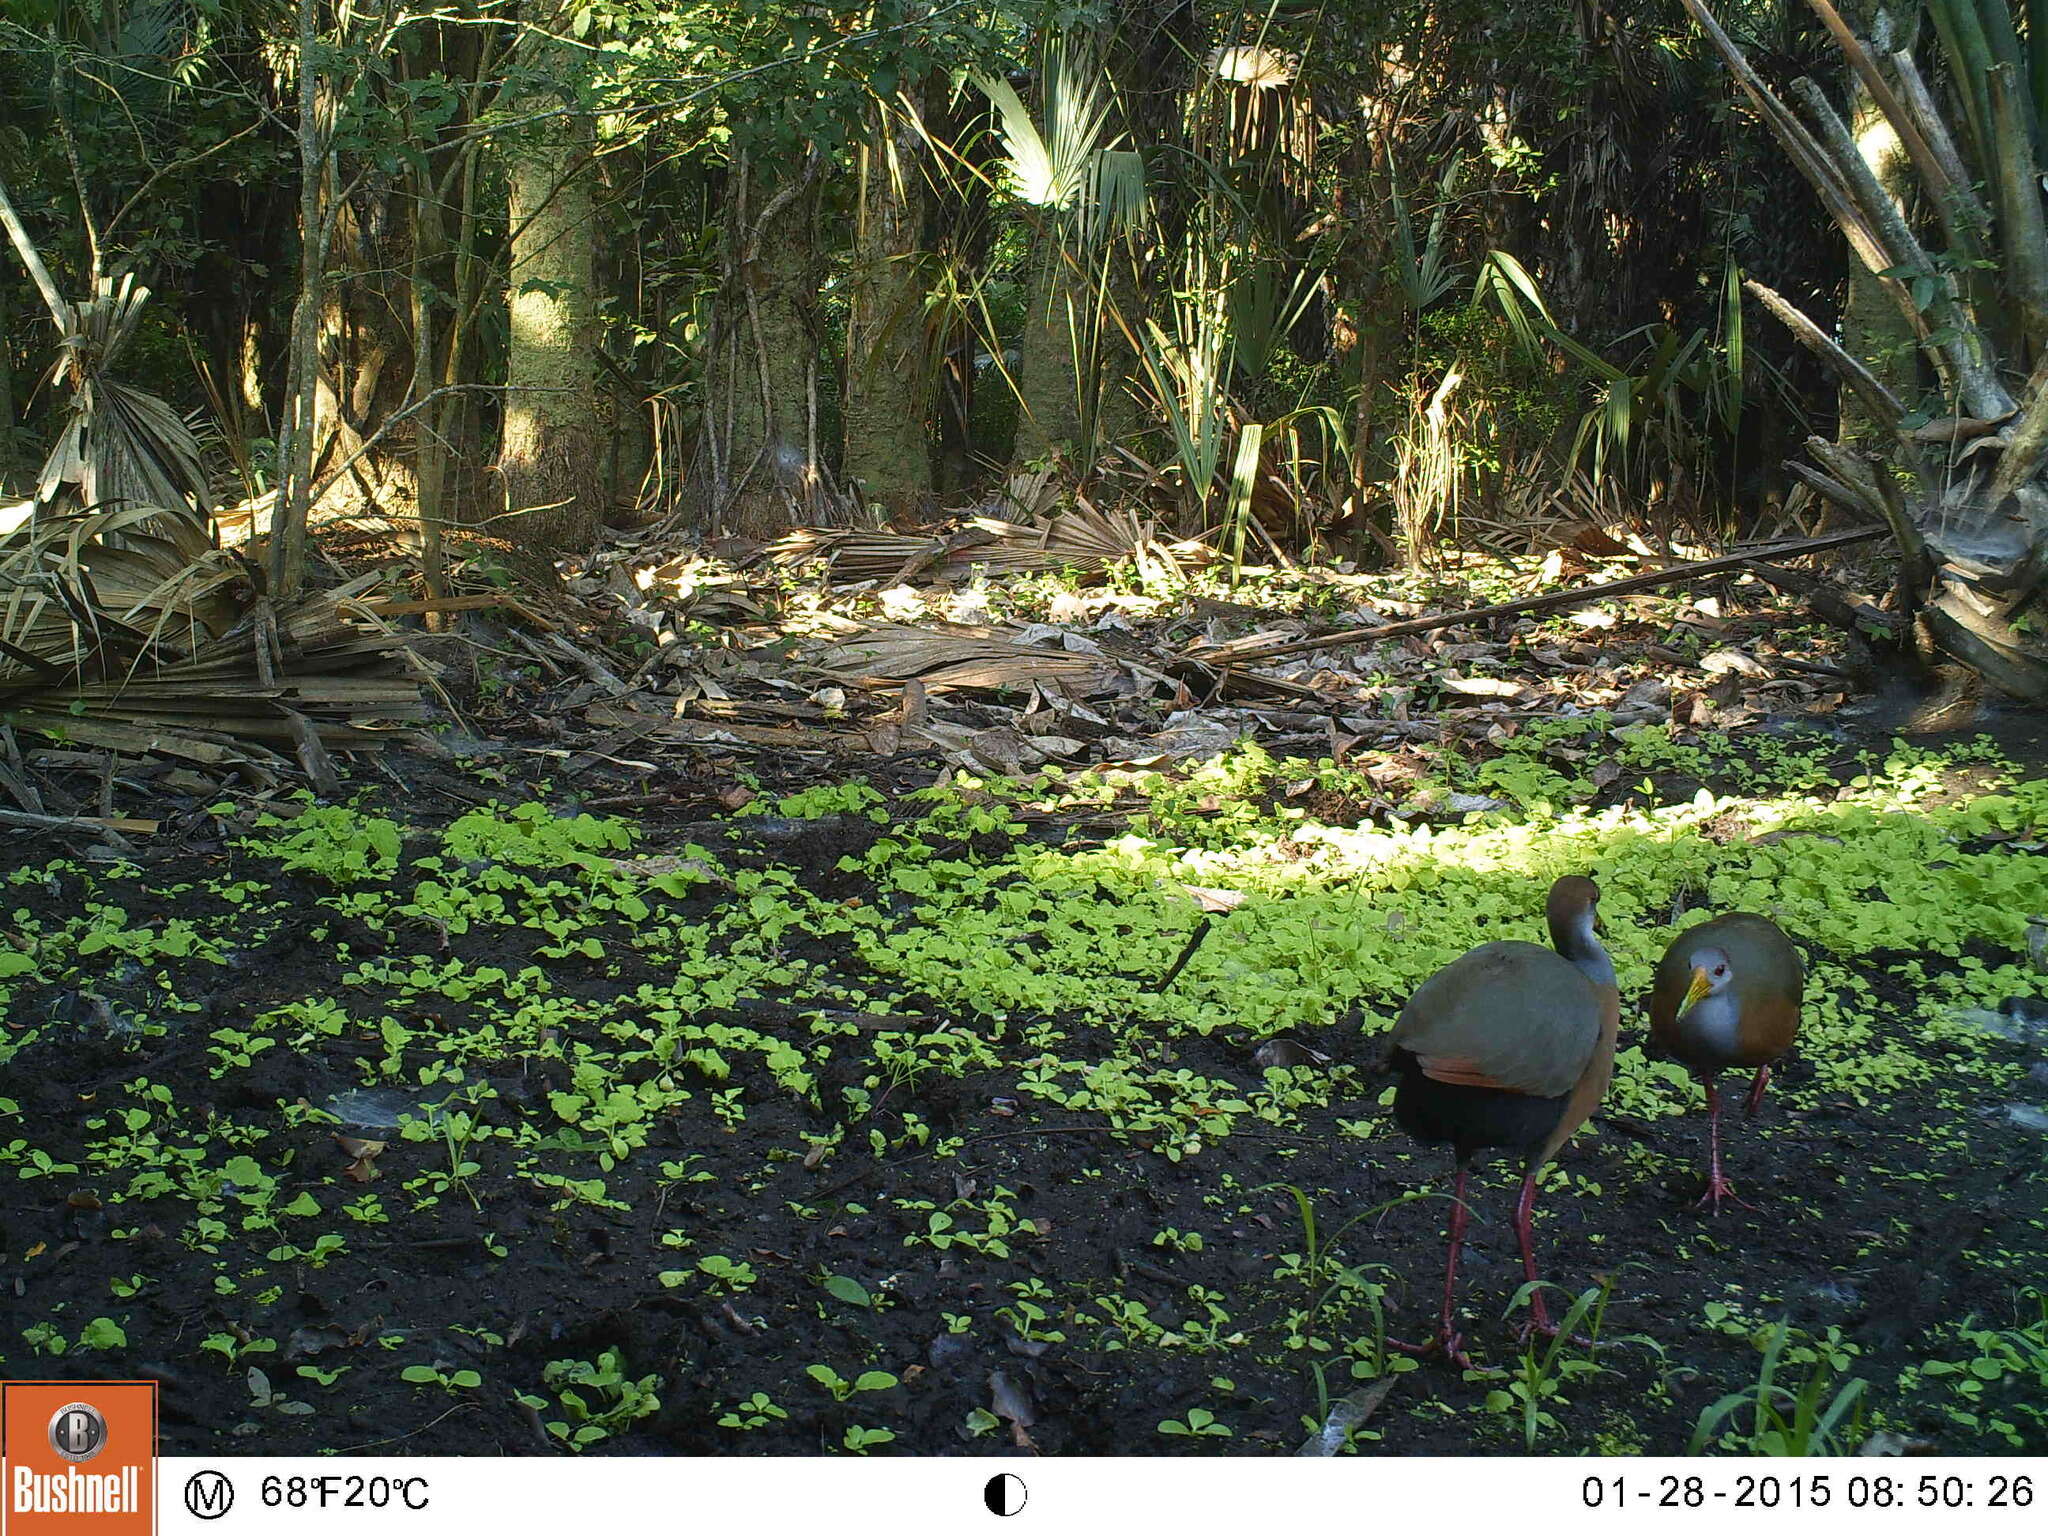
{"type": "Point", "coordinates": [1831, 603]}
{"type": "Point", "coordinates": [1669, 576]}
{"type": "Point", "coordinates": [99, 825]}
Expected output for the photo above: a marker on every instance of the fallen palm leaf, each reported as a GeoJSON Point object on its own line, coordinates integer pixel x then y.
{"type": "Point", "coordinates": [112, 636]}
{"type": "Point", "coordinates": [890, 655]}
{"type": "Point", "coordinates": [1083, 540]}
{"type": "Point", "coordinates": [122, 447]}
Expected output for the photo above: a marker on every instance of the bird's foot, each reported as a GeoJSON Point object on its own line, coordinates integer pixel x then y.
{"type": "Point", "coordinates": [1543, 1328]}
{"type": "Point", "coordinates": [1718, 1190]}
{"type": "Point", "coordinates": [1448, 1342]}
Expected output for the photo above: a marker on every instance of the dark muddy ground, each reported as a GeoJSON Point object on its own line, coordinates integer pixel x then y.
{"type": "Point", "coordinates": [185, 1186]}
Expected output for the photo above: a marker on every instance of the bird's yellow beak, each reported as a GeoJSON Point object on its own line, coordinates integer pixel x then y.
{"type": "Point", "coordinates": [1702, 984]}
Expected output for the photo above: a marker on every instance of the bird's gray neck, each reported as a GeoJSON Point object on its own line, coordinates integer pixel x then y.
{"type": "Point", "coordinates": [1712, 1024]}
{"type": "Point", "coordinates": [1575, 940]}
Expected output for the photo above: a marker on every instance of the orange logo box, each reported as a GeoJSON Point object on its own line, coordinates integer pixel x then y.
{"type": "Point", "coordinates": [78, 1458]}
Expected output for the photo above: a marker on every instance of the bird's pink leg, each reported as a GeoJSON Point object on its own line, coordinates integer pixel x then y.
{"type": "Point", "coordinates": [1718, 1188]}
{"type": "Point", "coordinates": [1525, 1212]}
{"type": "Point", "coordinates": [1448, 1340]}
{"type": "Point", "coordinates": [1539, 1315]}
{"type": "Point", "coordinates": [1756, 1092]}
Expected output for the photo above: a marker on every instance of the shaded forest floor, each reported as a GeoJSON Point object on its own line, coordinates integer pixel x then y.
{"type": "Point", "coordinates": [819, 1109]}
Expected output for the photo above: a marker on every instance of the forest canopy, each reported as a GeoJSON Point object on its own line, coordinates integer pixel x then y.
{"type": "Point", "coordinates": [1432, 272]}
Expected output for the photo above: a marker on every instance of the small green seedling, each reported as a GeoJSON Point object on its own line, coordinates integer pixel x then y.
{"type": "Point", "coordinates": [1200, 1421]}
{"type": "Point", "coordinates": [842, 1389]}
{"type": "Point", "coordinates": [447, 1381]}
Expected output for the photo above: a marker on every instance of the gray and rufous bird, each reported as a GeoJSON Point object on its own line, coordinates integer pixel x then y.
{"type": "Point", "coordinates": [1727, 995]}
{"type": "Point", "coordinates": [1511, 1045]}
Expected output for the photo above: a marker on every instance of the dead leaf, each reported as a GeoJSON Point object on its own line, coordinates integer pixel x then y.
{"type": "Point", "coordinates": [1213, 899]}
{"type": "Point", "coordinates": [1484, 687]}
{"type": "Point", "coordinates": [1346, 1415]}
{"type": "Point", "coordinates": [363, 1157]}
{"type": "Point", "coordinates": [305, 1343]}
{"type": "Point", "coordinates": [1009, 1401]}
{"type": "Point", "coordinates": [1729, 661]}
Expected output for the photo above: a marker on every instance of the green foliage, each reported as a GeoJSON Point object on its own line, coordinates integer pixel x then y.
{"type": "Point", "coordinates": [596, 1399]}
{"type": "Point", "coordinates": [756, 1412]}
{"type": "Point", "coordinates": [1998, 1380]}
{"type": "Point", "coordinates": [1547, 1366]}
{"type": "Point", "coordinates": [532, 836]}
{"type": "Point", "coordinates": [447, 1381]}
{"type": "Point", "coordinates": [336, 843]}
{"type": "Point", "coordinates": [860, 1440]}
{"type": "Point", "coordinates": [855, 797]}
{"type": "Point", "coordinates": [1821, 1416]}
{"type": "Point", "coordinates": [968, 954]}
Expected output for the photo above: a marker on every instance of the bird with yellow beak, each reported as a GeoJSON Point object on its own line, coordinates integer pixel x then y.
{"type": "Point", "coordinates": [1727, 995]}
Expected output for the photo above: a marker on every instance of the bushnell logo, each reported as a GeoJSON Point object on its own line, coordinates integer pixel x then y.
{"type": "Point", "coordinates": [78, 1431]}
{"type": "Point", "coordinates": [78, 1458]}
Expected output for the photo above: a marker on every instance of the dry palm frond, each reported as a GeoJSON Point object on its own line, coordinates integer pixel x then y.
{"type": "Point", "coordinates": [111, 636]}
{"type": "Point", "coordinates": [97, 588]}
{"type": "Point", "coordinates": [889, 655]}
{"type": "Point", "coordinates": [858, 555]}
{"type": "Point", "coordinates": [120, 446]}
{"type": "Point", "coordinates": [1252, 66]}
{"type": "Point", "coordinates": [1083, 540]}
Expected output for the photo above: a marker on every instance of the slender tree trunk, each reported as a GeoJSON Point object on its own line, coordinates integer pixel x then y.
{"type": "Point", "coordinates": [287, 553]}
{"type": "Point", "coordinates": [1117, 416]}
{"type": "Point", "coordinates": [1049, 381]}
{"type": "Point", "coordinates": [10, 432]}
{"type": "Point", "coordinates": [888, 383]}
{"type": "Point", "coordinates": [430, 450]}
{"type": "Point", "coordinates": [758, 468]}
{"type": "Point", "coordinates": [553, 443]}
{"type": "Point", "coordinates": [1874, 331]}
{"type": "Point", "coordinates": [1076, 362]}
{"type": "Point", "coordinates": [453, 419]}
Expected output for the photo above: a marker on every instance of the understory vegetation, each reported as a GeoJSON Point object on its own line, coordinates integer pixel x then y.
{"type": "Point", "coordinates": [860, 1121]}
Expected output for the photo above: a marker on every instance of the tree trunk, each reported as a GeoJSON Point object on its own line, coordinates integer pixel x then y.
{"type": "Point", "coordinates": [1049, 383]}
{"type": "Point", "coordinates": [758, 469]}
{"type": "Point", "coordinates": [553, 443]}
{"type": "Point", "coordinates": [1076, 361]}
{"type": "Point", "coordinates": [1873, 330]}
{"type": "Point", "coordinates": [314, 134]}
{"type": "Point", "coordinates": [364, 343]}
{"type": "Point", "coordinates": [10, 452]}
{"type": "Point", "coordinates": [430, 449]}
{"type": "Point", "coordinates": [888, 381]}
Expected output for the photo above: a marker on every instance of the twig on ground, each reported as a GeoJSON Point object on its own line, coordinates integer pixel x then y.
{"type": "Point", "coordinates": [1221, 656]}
